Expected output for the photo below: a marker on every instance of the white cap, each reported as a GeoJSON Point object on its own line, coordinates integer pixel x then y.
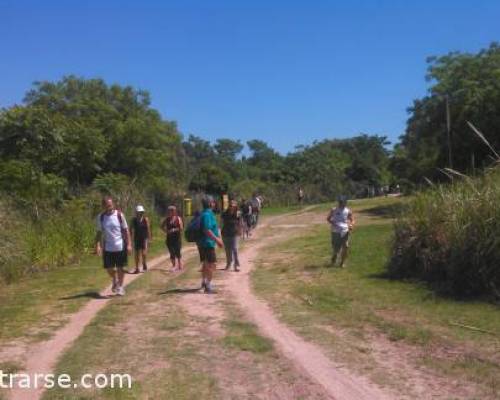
{"type": "Point", "coordinates": [139, 208]}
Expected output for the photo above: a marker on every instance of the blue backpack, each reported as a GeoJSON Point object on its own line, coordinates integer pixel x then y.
{"type": "Point", "coordinates": [193, 232]}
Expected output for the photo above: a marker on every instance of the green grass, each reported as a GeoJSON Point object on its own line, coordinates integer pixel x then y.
{"type": "Point", "coordinates": [271, 211]}
{"type": "Point", "coordinates": [10, 367]}
{"type": "Point", "coordinates": [33, 308]}
{"type": "Point", "coordinates": [243, 336]}
{"type": "Point", "coordinates": [295, 277]}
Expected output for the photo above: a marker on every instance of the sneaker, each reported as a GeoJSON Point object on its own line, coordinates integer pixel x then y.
{"type": "Point", "coordinates": [136, 271]}
{"type": "Point", "coordinates": [237, 268]}
{"type": "Point", "coordinates": [144, 267]}
{"type": "Point", "coordinates": [227, 267]}
{"type": "Point", "coordinates": [209, 289]}
{"type": "Point", "coordinates": [203, 285]}
{"type": "Point", "coordinates": [121, 291]}
{"type": "Point", "coordinates": [114, 287]}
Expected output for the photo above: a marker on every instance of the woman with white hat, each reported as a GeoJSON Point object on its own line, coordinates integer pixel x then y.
{"type": "Point", "coordinates": [141, 232]}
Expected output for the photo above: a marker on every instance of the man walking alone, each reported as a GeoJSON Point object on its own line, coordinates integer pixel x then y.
{"type": "Point", "coordinates": [342, 222]}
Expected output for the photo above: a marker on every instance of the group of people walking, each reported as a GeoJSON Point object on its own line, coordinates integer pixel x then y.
{"type": "Point", "coordinates": [114, 239]}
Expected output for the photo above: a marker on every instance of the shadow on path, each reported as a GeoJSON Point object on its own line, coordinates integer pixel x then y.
{"type": "Point", "coordinates": [180, 291]}
{"type": "Point", "coordinates": [89, 294]}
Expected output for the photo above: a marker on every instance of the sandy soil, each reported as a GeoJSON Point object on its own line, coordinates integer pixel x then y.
{"type": "Point", "coordinates": [42, 357]}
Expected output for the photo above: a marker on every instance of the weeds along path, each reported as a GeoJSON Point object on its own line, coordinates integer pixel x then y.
{"type": "Point", "coordinates": [338, 383]}
{"type": "Point", "coordinates": [43, 356]}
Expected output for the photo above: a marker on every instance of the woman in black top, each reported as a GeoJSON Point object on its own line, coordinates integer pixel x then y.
{"type": "Point", "coordinates": [173, 227]}
{"type": "Point", "coordinates": [231, 230]}
{"type": "Point", "coordinates": [141, 233]}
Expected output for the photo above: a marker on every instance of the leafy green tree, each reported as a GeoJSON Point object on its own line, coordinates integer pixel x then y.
{"type": "Point", "coordinates": [77, 128]}
{"type": "Point", "coordinates": [464, 87]}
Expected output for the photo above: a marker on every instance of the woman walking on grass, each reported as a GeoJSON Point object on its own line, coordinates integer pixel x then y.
{"type": "Point", "coordinates": [231, 231]}
{"type": "Point", "coordinates": [173, 226]}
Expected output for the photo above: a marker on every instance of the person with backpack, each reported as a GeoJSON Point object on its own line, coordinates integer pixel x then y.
{"type": "Point", "coordinates": [256, 206]}
{"type": "Point", "coordinates": [246, 215]}
{"type": "Point", "coordinates": [141, 233]}
{"type": "Point", "coordinates": [172, 225]}
{"type": "Point", "coordinates": [113, 243]}
{"type": "Point", "coordinates": [210, 237]}
{"type": "Point", "coordinates": [342, 223]}
{"type": "Point", "coordinates": [231, 230]}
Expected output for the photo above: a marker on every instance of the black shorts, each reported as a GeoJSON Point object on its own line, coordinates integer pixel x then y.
{"type": "Point", "coordinates": [207, 254]}
{"type": "Point", "coordinates": [339, 241]}
{"type": "Point", "coordinates": [174, 245]}
{"type": "Point", "coordinates": [114, 259]}
{"type": "Point", "coordinates": [140, 244]}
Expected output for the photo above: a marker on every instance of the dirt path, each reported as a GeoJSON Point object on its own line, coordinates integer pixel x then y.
{"type": "Point", "coordinates": [308, 361]}
{"type": "Point", "coordinates": [42, 356]}
{"type": "Point", "coordinates": [339, 383]}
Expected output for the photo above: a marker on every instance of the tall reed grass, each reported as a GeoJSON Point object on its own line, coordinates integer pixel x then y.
{"type": "Point", "coordinates": [57, 236]}
{"type": "Point", "coordinates": [450, 235]}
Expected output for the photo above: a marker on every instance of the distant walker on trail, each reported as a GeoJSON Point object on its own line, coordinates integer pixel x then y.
{"type": "Point", "coordinates": [113, 243]}
{"type": "Point", "coordinates": [300, 196]}
{"type": "Point", "coordinates": [342, 222]}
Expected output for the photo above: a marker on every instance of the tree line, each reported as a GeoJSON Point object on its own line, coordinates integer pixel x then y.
{"type": "Point", "coordinates": [74, 134]}
{"type": "Point", "coordinates": [78, 133]}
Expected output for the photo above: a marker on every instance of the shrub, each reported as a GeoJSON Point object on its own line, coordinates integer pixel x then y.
{"type": "Point", "coordinates": [13, 252]}
{"type": "Point", "coordinates": [450, 235]}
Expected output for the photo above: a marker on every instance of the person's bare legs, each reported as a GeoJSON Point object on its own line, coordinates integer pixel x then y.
{"type": "Point", "coordinates": [343, 255]}
{"type": "Point", "coordinates": [112, 273]}
{"type": "Point", "coordinates": [144, 256]}
{"type": "Point", "coordinates": [137, 259]}
{"type": "Point", "coordinates": [204, 269]}
{"type": "Point", "coordinates": [120, 276]}
{"type": "Point", "coordinates": [207, 275]}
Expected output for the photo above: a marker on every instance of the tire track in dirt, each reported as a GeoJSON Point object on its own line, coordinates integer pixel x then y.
{"type": "Point", "coordinates": [339, 383]}
{"type": "Point", "coordinates": [43, 356]}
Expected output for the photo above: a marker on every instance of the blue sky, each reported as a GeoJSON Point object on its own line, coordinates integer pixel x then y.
{"type": "Point", "coordinates": [287, 72]}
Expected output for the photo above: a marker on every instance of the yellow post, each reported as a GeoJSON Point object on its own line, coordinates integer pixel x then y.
{"type": "Point", "coordinates": [188, 207]}
{"type": "Point", "coordinates": [225, 202]}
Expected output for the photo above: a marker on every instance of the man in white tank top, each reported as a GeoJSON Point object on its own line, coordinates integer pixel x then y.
{"type": "Point", "coordinates": [342, 222]}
